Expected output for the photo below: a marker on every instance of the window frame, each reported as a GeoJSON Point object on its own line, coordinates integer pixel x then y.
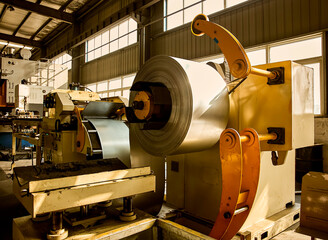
{"type": "Point", "coordinates": [116, 39]}
{"type": "Point", "coordinates": [120, 89]}
{"type": "Point", "coordinates": [183, 9]}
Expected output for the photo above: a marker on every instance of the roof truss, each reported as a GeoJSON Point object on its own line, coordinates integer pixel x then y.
{"type": "Point", "coordinates": [20, 40]}
{"type": "Point", "coordinates": [39, 9]}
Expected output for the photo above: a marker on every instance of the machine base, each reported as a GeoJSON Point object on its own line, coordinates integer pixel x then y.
{"type": "Point", "coordinates": [75, 219]}
{"type": "Point", "coordinates": [272, 226]}
{"type": "Point", "coordinates": [25, 229]}
{"type": "Point", "coordinates": [265, 229]}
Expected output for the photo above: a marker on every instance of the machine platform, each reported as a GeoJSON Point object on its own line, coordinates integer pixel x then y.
{"type": "Point", "coordinates": [112, 228]}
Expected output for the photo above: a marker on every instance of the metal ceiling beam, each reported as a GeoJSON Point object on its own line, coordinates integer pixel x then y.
{"type": "Point", "coordinates": [40, 28]}
{"type": "Point", "coordinates": [39, 9]}
{"type": "Point", "coordinates": [3, 11]}
{"type": "Point", "coordinates": [64, 6]}
{"type": "Point", "coordinates": [21, 23]}
{"type": "Point", "coordinates": [24, 20]}
{"type": "Point", "coordinates": [20, 40]}
{"type": "Point", "coordinates": [86, 8]}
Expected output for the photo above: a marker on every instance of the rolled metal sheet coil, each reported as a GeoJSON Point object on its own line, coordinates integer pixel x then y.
{"type": "Point", "coordinates": [114, 139]}
{"type": "Point", "coordinates": [200, 106]}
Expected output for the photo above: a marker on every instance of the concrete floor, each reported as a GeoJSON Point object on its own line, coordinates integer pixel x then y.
{"type": "Point", "coordinates": [10, 207]}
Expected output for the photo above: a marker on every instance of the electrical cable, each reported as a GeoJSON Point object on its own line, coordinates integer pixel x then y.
{"type": "Point", "coordinates": [235, 87]}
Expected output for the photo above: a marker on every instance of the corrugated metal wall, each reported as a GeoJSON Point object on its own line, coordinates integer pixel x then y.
{"type": "Point", "coordinates": [103, 13]}
{"type": "Point", "coordinates": [253, 23]}
{"type": "Point", "coordinates": [116, 64]}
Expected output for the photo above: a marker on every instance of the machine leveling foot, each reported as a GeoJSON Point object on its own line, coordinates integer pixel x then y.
{"type": "Point", "coordinates": [57, 231]}
{"type": "Point", "coordinates": [127, 213]}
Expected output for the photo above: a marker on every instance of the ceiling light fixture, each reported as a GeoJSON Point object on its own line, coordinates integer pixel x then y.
{"type": "Point", "coordinates": [3, 43]}
{"type": "Point", "coordinates": [15, 45]}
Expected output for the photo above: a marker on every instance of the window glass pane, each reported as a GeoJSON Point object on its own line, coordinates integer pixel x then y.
{"type": "Point", "coordinates": [212, 6]}
{"type": "Point", "coordinates": [69, 57]}
{"type": "Point", "coordinates": [123, 28]}
{"type": "Point", "coordinates": [174, 5]}
{"type": "Point", "coordinates": [132, 25]}
{"type": "Point", "coordinates": [113, 46]}
{"type": "Point", "coordinates": [91, 45]}
{"type": "Point", "coordinates": [123, 42]}
{"type": "Point", "coordinates": [65, 58]}
{"type": "Point", "coordinates": [97, 46]}
{"type": "Point", "coordinates": [231, 3]}
{"type": "Point", "coordinates": [92, 87]}
{"type": "Point", "coordinates": [126, 94]}
{"type": "Point", "coordinates": [316, 87]}
{"type": "Point", "coordinates": [113, 33]}
{"type": "Point", "coordinates": [190, 13]}
{"type": "Point", "coordinates": [215, 60]}
{"type": "Point", "coordinates": [175, 20]}
{"type": "Point", "coordinates": [114, 84]}
{"type": "Point", "coordinates": [114, 93]}
{"type": "Point", "coordinates": [127, 81]}
{"type": "Point", "coordinates": [297, 50]}
{"type": "Point", "coordinates": [257, 57]}
{"type": "Point", "coordinates": [105, 49]}
{"type": "Point", "coordinates": [103, 95]}
{"type": "Point", "coordinates": [105, 37]}
{"type": "Point", "coordinates": [102, 86]}
{"type": "Point", "coordinates": [133, 37]}
{"type": "Point", "coordinates": [189, 2]}
{"type": "Point", "coordinates": [69, 65]}
{"type": "Point", "coordinates": [86, 52]}
{"type": "Point", "coordinates": [60, 60]}
{"type": "Point", "coordinates": [97, 53]}
{"type": "Point", "coordinates": [91, 55]}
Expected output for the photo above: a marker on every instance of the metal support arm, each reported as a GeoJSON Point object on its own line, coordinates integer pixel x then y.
{"type": "Point", "coordinates": [233, 51]}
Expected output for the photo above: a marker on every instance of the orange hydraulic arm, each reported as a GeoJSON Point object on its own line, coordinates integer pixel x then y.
{"type": "Point", "coordinates": [240, 163]}
{"type": "Point", "coordinates": [239, 153]}
{"type": "Point", "coordinates": [233, 51]}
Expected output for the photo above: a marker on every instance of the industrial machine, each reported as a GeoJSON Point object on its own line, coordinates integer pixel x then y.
{"type": "Point", "coordinates": [229, 151]}
{"type": "Point", "coordinates": [66, 179]}
{"type": "Point", "coordinates": [29, 98]}
{"type": "Point", "coordinates": [26, 72]}
{"type": "Point", "coordinates": [13, 71]}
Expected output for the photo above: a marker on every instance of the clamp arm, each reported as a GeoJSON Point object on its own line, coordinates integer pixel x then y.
{"type": "Point", "coordinates": [233, 51]}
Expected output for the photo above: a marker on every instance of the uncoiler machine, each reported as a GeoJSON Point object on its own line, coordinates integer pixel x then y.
{"type": "Point", "coordinates": [191, 156]}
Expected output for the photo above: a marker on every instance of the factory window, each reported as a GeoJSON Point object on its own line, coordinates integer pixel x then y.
{"type": "Point", "coordinates": [178, 12]}
{"type": "Point", "coordinates": [117, 37]}
{"type": "Point", "coordinates": [304, 49]}
{"type": "Point", "coordinates": [256, 57]}
{"type": "Point", "coordinates": [309, 53]}
{"type": "Point", "coordinates": [65, 60]}
{"type": "Point", "coordinates": [114, 87]}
